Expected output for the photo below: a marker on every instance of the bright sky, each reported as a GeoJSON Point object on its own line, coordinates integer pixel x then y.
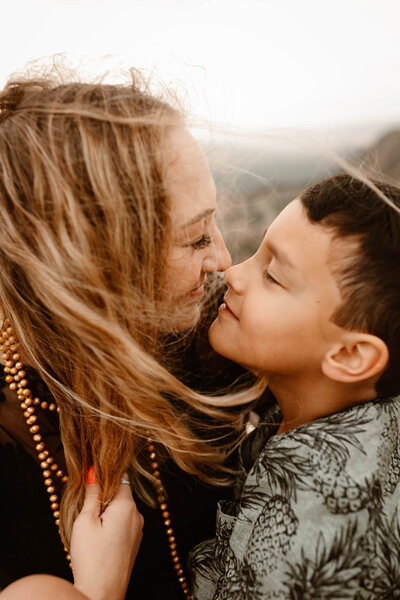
{"type": "Point", "coordinates": [250, 63]}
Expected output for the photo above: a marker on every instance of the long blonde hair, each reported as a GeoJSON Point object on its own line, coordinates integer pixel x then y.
{"type": "Point", "coordinates": [84, 216]}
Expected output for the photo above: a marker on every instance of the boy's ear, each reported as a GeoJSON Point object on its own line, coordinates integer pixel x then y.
{"type": "Point", "coordinates": [358, 358]}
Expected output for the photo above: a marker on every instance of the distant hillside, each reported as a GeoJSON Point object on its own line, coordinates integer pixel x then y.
{"type": "Point", "coordinates": [384, 157]}
{"type": "Point", "coordinates": [255, 184]}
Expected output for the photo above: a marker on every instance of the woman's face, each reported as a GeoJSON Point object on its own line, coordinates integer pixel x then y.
{"type": "Point", "coordinates": [197, 246]}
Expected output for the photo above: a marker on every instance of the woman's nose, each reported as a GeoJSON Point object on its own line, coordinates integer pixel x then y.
{"type": "Point", "coordinates": [218, 259]}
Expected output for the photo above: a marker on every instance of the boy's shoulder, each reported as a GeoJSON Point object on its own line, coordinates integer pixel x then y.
{"type": "Point", "coordinates": [344, 433]}
{"type": "Point", "coordinates": [358, 440]}
{"type": "Point", "coordinates": [341, 461]}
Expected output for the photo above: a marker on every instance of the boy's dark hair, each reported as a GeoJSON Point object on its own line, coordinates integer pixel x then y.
{"type": "Point", "coordinates": [370, 283]}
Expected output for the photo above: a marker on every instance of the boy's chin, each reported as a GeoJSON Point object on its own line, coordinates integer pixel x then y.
{"type": "Point", "coordinates": [221, 343]}
{"type": "Point", "coordinates": [218, 340]}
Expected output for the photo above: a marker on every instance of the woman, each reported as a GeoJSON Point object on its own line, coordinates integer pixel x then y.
{"type": "Point", "coordinates": [107, 235]}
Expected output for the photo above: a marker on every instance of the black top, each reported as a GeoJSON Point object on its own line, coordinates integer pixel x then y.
{"type": "Point", "coordinates": [29, 540]}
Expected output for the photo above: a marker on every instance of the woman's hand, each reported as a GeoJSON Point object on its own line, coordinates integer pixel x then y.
{"type": "Point", "coordinates": [104, 548]}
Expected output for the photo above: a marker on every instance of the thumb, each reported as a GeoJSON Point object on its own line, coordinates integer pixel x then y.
{"type": "Point", "coordinates": [91, 501]}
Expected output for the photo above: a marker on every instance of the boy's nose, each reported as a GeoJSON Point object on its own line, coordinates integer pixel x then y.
{"type": "Point", "coordinates": [219, 258]}
{"type": "Point", "coordinates": [234, 278]}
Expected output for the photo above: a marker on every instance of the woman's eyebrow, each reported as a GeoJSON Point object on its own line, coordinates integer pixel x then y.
{"type": "Point", "coordinates": [201, 216]}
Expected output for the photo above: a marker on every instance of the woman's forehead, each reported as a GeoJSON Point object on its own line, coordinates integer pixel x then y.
{"type": "Point", "coordinates": [190, 184]}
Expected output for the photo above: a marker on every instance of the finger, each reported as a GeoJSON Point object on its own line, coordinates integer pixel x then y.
{"type": "Point", "coordinates": [91, 501]}
{"type": "Point", "coordinates": [123, 503]}
{"type": "Point", "coordinates": [124, 489]}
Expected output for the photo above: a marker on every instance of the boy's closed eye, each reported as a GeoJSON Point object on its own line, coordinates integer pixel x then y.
{"type": "Point", "coordinates": [267, 275]}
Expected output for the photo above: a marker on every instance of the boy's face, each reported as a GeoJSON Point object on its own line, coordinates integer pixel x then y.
{"type": "Point", "coordinates": [276, 319]}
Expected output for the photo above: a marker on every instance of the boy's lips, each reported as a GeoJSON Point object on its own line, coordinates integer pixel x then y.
{"type": "Point", "coordinates": [224, 309]}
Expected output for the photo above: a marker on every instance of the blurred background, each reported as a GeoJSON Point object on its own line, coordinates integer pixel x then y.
{"type": "Point", "coordinates": [281, 91]}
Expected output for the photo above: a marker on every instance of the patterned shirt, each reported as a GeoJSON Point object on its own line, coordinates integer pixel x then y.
{"type": "Point", "coordinates": [315, 513]}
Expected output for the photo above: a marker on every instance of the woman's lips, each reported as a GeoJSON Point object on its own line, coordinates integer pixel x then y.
{"type": "Point", "coordinates": [198, 291]}
{"type": "Point", "coordinates": [225, 310]}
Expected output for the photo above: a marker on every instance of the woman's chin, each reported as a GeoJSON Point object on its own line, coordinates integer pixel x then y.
{"type": "Point", "coordinates": [190, 321]}
{"type": "Point", "coordinates": [179, 319]}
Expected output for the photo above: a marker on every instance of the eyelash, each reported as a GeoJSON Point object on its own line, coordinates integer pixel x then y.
{"type": "Point", "coordinates": [203, 242]}
{"type": "Point", "coordinates": [269, 277]}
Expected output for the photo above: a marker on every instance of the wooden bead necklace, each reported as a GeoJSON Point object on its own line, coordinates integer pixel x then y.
{"type": "Point", "coordinates": [15, 376]}
{"type": "Point", "coordinates": [161, 499]}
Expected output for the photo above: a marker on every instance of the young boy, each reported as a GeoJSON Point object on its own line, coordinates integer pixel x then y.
{"type": "Point", "coordinates": [317, 311]}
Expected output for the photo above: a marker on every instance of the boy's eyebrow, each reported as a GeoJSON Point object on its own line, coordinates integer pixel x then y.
{"type": "Point", "coordinates": [281, 256]}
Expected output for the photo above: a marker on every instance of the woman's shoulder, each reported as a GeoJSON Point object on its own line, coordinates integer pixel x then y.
{"type": "Point", "coordinates": [12, 425]}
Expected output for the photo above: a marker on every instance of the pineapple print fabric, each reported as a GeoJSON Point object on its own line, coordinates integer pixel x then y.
{"type": "Point", "coordinates": [315, 515]}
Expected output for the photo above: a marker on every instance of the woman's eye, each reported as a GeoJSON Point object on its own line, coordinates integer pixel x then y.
{"type": "Point", "coordinates": [203, 242]}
